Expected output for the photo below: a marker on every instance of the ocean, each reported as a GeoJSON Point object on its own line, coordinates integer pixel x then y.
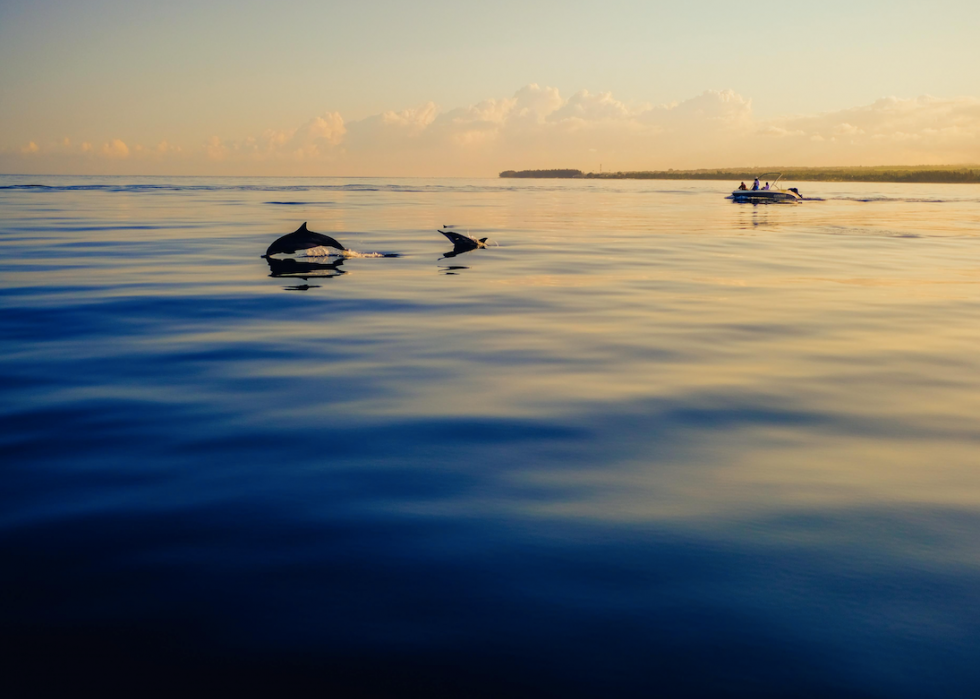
{"type": "Point", "coordinates": [649, 442]}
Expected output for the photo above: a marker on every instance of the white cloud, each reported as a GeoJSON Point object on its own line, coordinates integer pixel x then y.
{"type": "Point", "coordinates": [215, 149]}
{"type": "Point", "coordinates": [538, 128]}
{"type": "Point", "coordinates": [413, 121]}
{"type": "Point", "coordinates": [314, 140]}
{"type": "Point", "coordinates": [921, 130]}
{"type": "Point", "coordinates": [535, 103]}
{"type": "Point", "coordinates": [780, 132]}
{"type": "Point", "coordinates": [115, 149]}
{"type": "Point", "coordinates": [723, 109]}
{"type": "Point", "coordinates": [328, 128]}
{"type": "Point", "coordinates": [591, 108]}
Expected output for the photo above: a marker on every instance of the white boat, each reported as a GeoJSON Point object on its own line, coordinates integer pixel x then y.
{"type": "Point", "coordinates": [767, 196]}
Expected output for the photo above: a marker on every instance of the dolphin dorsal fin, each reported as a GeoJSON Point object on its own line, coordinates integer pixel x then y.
{"type": "Point", "coordinates": [302, 229]}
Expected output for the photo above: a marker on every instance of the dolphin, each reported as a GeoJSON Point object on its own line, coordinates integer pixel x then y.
{"type": "Point", "coordinates": [463, 243]}
{"type": "Point", "coordinates": [302, 239]}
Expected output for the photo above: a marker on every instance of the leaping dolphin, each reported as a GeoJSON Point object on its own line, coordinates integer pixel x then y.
{"type": "Point", "coordinates": [463, 243]}
{"type": "Point", "coordinates": [302, 239]}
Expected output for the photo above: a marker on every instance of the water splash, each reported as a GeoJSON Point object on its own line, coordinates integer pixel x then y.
{"type": "Point", "coordinates": [321, 251]}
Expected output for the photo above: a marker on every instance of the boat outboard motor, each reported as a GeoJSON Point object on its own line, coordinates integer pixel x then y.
{"type": "Point", "coordinates": [796, 191]}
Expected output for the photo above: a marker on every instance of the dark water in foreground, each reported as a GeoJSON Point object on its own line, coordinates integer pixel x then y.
{"type": "Point", "coordinates": [654, 444]}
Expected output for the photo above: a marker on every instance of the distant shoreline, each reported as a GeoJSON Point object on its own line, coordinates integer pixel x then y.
{"type": "Point", "coordinates": [936, 174]}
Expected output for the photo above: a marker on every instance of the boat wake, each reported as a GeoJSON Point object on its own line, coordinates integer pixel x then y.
{"type": "Point", "coordinates": [906, 200]}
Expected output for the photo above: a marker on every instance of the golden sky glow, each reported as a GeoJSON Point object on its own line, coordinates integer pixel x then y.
{"type": "Point", "coordinates": [435, 88]}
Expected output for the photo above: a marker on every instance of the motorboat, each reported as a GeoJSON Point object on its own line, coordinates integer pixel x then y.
{"type": "Point", "coordinates": [767, 196]}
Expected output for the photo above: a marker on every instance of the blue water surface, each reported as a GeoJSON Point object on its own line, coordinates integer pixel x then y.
{"type": "Point", "coordinates": [648, 443]}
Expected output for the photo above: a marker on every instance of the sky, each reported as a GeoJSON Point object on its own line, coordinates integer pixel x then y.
{"type": "Point", "coordinates": [461, 88]}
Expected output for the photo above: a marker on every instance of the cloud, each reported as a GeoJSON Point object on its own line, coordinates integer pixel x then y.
{"type": "Point", "coordinates": [535, 103]}
{"type": "Point", "coordinates": [412, 121]}
{"type": "Point", "coordinates": [536, 127]}
{"type": "Point", "coordinates": [215, 149]}
{"type": "Point", "coordinates": [713, 109]}
{"type": "Point", "coordinates": [586, 108]}
{"type": "Point", "coordinates": [921, 130]}
{"type": "Point", "coordinates": [313, 140]}
{"type": "Point", "coordinates": [778, 132]}
{"type": "Point", "coordinates": [115, 149]}
{"type": "Point", "coordinates": [327, 130]}
{"type": "Point", "coordinates": [163, 149]}
{"type": "Point", "coordinates": [394, 131]}
{"type": "Point", "coordinates": [847, 130]}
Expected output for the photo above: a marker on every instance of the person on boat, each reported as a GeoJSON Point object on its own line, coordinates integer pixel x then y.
{"type": "Point", "coordinates": [742, 187]}
{"type": "Point", "coordinates": [766, 188]}
{"type": "Point", "coordinates": [755, 185]}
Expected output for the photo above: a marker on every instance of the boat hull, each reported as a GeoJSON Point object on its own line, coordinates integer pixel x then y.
{"type": "Point", "coordinates": [765, 196]}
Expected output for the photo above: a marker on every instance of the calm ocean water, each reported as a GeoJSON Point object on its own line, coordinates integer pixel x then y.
{"type": "Point", "coordinates": [652, 443]}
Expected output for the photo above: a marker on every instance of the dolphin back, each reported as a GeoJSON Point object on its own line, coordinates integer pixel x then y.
{"type": "Point", "coordinates": [302, 239]}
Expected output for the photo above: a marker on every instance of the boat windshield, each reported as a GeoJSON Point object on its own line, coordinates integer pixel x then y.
{"type": "Point", "coordinates": [763, 177]}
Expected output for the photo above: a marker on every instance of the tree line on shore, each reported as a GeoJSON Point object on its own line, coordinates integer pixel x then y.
{"type": "Point", "coordinates": [968, 174]}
